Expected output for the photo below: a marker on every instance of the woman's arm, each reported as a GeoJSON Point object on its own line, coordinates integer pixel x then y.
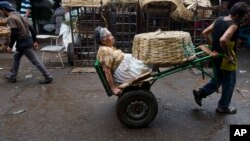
{"type": "Point", "coordinates": [110, 80]}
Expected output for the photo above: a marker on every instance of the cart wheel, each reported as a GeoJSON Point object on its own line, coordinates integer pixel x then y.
{"type": "Point", "coordinates": [137, 108]}
{"type": "Point", "coordinates": [70, 54]}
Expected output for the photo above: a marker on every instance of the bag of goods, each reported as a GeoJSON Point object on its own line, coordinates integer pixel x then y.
{"type": "Point", "coordinates": [163, 48]}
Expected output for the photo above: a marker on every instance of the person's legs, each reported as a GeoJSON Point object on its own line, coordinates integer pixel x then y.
{"type": "Point", "coordinates": [11, 77]}
{"type": "Point", "coordinates": [29, 53]}
{"type": "Point", "coordinates": [228, 85]}
{"type": "Point", "coordinates": [16, 63]}
{"type": "Point", "coordinates": [209, 88]}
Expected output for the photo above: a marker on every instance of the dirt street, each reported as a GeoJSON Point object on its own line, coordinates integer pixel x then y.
{"type": "Point", "coordinates": [75, 107]}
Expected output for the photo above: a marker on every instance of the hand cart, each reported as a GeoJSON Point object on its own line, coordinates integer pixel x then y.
{"type": "Point", "coordinates": [137, 106]}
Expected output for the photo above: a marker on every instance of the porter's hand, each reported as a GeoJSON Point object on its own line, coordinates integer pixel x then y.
{"type": "Point", "coordinates": [35, 45]}
{"type": "Point", "coordinates": [214, 54]}
{"type": "Point", "coordinates": [9, 50]}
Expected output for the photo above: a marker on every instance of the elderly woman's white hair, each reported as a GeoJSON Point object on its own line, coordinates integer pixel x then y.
{"type": "Point", "coordinates": [103, 33]}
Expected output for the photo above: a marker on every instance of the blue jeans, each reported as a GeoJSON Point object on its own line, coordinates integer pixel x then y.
{"type": "Point", "coordinates": [227, 80]}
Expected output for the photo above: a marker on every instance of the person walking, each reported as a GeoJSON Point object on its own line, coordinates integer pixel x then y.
{"type": "Point", "coordinates": [21, 33]}
{"type": "Point", "coordinates": [223, 33]}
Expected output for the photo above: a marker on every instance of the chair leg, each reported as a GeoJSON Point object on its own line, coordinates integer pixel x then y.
{"type": "Point", "coordinates": [42, 56]}
{"type": "Point", "coordinates": [59, 54]}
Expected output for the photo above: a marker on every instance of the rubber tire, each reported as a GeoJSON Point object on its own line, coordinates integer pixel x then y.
{"type": "Point", "coordinates": [70, 54]}
{"type": "Point", "coordinates": [127, 100]}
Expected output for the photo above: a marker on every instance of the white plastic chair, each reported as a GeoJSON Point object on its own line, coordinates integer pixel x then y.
{"type": "Point", "coordinates": [56, 49]}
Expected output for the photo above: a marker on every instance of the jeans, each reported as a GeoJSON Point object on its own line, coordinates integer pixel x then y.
{"type": "Point", "coordinates": [29, 53]}
{"type": "Point", "coordinates": [227, 80]}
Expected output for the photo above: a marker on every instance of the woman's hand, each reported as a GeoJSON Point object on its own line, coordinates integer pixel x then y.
{"type": "Point", "coordinates": [117, 91]}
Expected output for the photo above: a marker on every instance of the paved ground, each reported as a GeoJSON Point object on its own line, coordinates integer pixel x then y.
{"type": "Point", "coordinates": [76, 108]}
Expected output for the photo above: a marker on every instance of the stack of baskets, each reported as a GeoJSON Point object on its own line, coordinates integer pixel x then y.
{"type": "Point", "coordinates": [163, 48]}
{"type": "Point", "coordinates": [4, 33]}
{"type": "Point", "coordinates": [2, 22]}
{"type": "Point", "coordinates": [178, 9]}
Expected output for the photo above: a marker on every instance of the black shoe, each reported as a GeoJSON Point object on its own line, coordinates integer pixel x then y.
{"type": "Point", "coordinates": [46, 80]}
{"type": "Point", "coordinates": [9, 78]}
{"type": "Point", "coordinates": [228, 110]}
{"type": "Point", "coordinates": [197, 97]}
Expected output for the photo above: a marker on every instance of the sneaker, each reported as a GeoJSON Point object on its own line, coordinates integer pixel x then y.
{"type": "Point", "coordinates": [228, 110]}
{"type": "Point", "coordinates": [46, 80]}
{"type": "Point", "coordinates": [9, 78]}
{"type": "Point", "coordinates": [197, 97]}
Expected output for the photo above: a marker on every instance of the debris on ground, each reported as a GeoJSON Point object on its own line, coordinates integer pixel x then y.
{"type": "Point", "coordinates": [84, 70]}
{"type": "Point", "coordinates": [18, 112]}
{"type": "Point", "coordinates": [28, 76]}
{"type": "Point", "coordinates": [242, 71]}
{"type": "Point", "coordinates": [241, 92]}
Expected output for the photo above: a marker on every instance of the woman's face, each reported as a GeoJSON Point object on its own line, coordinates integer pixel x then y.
{"type": "Point", "coordinates": [108, 39]}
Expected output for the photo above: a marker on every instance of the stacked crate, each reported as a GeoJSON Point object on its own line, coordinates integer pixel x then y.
{"type": "Point", "coordinates": [123, 24]}
{"type": "Point", "coordinates": [83, 51]}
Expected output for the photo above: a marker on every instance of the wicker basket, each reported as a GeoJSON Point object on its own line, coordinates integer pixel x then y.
{"type": "Point", "coordinates": [123, 1]}
{"type": "Point", "coordinates": [202, 7]}
{"type": "Point", "coordinates": [4, 31]}
{"type": "Point", "coordinates": [158, 6]}
{"type": "Point", "coordinates": [185, 10]}
{"type": "Point", "coordinates": [86, 3]}
{"type": "Point", "coordinates": [181, 12]}
{"type": "Point", "coordinates": [163, 48]}
{"type": "Point", "coordinates": [201, 3]}
{"type": "Point", "coordinates": [3, 22]}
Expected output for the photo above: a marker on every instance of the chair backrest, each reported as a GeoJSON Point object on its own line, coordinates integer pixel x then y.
{"type": "Point", "coordinates": [102, 76]}
{"type": "Point", "coordinates": [58, 39]}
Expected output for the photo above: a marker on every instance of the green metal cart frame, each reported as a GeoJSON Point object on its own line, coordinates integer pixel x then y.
{"type": "Point", "coordinates": [137, 106]}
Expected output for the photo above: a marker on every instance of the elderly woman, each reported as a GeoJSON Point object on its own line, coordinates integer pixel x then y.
{"type": "Point", "coordinates": [118, 67]}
